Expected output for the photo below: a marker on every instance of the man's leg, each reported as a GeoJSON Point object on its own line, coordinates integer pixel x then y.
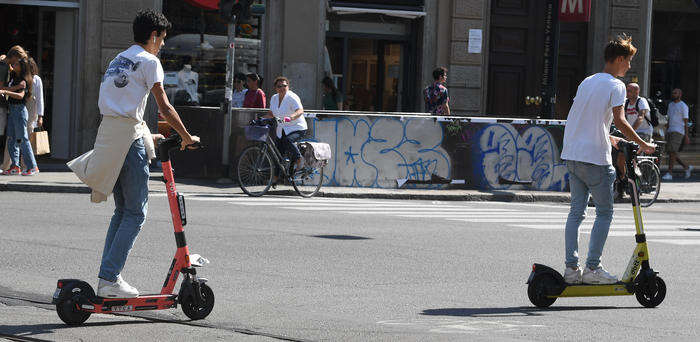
{"type": "Point", "coordinates": [114, 224]}
{"type": "Point", "coordinates": [577, 212]}
{"type": "Point", "coordinates": [602, 194]}
{"type": "Point", "coordinates": [134, 187]}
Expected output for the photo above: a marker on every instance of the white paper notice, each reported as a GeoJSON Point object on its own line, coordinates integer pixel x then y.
{"type": "Point", "coordinates": [474, 45]}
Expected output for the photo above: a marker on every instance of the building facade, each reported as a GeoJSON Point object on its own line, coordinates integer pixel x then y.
{"type": "Point", "coordinates": [379, 53]}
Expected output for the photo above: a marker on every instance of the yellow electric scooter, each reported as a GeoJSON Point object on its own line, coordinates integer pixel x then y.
{"type": "Point", "coordinates": [545, 284]}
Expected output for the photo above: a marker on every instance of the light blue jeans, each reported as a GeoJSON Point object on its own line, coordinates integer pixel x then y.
{"type": "Point", "coordinates": [586, 180]}
{"type": "Point", "coordinates": [131, 204]}
{"type": "Point", "coordinates": [18, 140]}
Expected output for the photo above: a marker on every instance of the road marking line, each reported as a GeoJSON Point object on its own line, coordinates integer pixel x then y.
{"type": "Point", "coordinates": [589, 226]}
{"type": "Point", "coordinates": [679, 242]}
{"type": "Point", "coordinates": [392, 210]}
{"type": "Point", "coordinates": [674, 233]}
{"type": "Point", "coordinates": [544, 220]}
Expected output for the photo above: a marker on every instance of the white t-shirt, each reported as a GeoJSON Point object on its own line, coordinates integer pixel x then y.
{"type": "Point", "coordinates": [127, 82]}
{"type": "Point", "coordinates": [238, 97]}
{"type": "Point", "coordinates": [290, 104]}
{"type": "Point", "coordinates": [35, 104]}
{"type": "Point", "coordinates": [631, 115]}
{"type": "Point", "coordinates": [677, 111]}
{"type": "Point", "coordinates": [586, 135]}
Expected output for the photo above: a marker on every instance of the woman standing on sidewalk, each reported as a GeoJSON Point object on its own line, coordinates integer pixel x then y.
{"type": "Point", "coordinates": [18, 139]}
{"type": "Point", "coordinates": [254, 97]}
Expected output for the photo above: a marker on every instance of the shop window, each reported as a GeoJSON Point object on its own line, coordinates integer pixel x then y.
{"type": "Point", "coordinates": [194, 55]}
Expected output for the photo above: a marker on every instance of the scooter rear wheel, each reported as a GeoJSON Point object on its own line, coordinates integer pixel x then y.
{"type": "Point", "coordinates": [537, 290]}
{"type": "Point", "coordinates": [652, 300]}
{"type": "Point", "coordinates": [194, 311]}
{"type": "Point", "coordinates": [68, 310]}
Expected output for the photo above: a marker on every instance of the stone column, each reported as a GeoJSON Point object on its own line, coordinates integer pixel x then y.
{"type": "Point", "coordinates": [467, 70]}
{"type": "Point", "coordinates": [106, 30]}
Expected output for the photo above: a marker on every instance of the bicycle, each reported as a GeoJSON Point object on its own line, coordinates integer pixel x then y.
{"type": "Point", "coordinates": [648, 178]}
{"type": "Point", "coordinates": [259, 163]}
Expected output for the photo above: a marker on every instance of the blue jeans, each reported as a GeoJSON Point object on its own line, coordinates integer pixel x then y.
{"type": "Point", "coordinates": [597, 181]}
{"type": "Point", "coordinates": [17, 136]}
{"type": "Point", "coordinates": [131, 204]}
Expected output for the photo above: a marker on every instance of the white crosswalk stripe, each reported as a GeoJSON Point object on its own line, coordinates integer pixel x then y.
{"type": "Point", "coordinates": [515, 216]}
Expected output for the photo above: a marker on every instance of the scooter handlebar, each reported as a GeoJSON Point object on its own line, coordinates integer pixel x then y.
{"type": "Point", "coordinates": [172, 142]}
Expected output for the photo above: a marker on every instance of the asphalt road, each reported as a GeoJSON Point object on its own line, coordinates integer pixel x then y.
{"type": "Point", "coordinates": [345, 270]}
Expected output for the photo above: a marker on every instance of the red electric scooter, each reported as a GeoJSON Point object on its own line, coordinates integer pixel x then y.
{"type": "Point", "coordinates": [75, 299]}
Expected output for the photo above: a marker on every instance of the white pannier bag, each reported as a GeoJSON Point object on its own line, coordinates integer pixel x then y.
{"type": "Point", "coordinates": [316, 155]}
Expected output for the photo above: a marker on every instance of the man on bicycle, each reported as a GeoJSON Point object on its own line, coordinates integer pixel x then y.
{"type": "Point", "coordinates": [599, 100]}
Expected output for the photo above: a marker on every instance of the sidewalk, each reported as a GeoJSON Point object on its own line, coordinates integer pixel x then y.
{"type": "Point", "coordinates": [66, 182]}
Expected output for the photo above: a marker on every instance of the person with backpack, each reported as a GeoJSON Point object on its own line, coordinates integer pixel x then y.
{"type": "Point", "coordinates": [638, 113]}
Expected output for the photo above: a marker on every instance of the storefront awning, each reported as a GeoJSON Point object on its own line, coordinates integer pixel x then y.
{"type": "Point", "coordinates": [360, 10]}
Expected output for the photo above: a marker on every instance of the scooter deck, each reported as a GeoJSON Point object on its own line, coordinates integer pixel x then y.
{"type": "Point", "coordinates": [144, 302]}
{"type": "Point", "coordinates": [594, 290]}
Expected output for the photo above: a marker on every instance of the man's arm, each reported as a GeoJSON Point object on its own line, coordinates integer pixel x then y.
{"type": "Point", "coordinates": [640, 118]}
{"type": "Point", "coordinates": [686, 137]}
{"type": "Point", "coordinates": [624, 126]}
{"type": "Point", "coordinates": [171, 116]}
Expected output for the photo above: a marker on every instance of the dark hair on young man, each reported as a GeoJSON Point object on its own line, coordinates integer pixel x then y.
{"type": "Point", "coordinates": [253, 76]}
{"type": "Point", "coordinates": [147, 21]}
{"type": "Point", "coordinates": [439, 72]}
{"type": "Point", "coordinates": [620, 47]}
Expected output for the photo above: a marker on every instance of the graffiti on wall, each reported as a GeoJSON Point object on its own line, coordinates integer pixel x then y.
{"type": "Point", "coordinates": [376, 151]}
{"type": "Point", "coordinates": [528, 156]}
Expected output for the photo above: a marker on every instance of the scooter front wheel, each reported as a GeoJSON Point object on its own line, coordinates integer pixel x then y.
{"type": "Point", "coordinates": [537, 290]}
{"type": "Point", "coordinates": [67, 309]}
{"type": "Point", "coordinates": [651, 299]}
{"type": "Point", "coordinates": [194, 311]}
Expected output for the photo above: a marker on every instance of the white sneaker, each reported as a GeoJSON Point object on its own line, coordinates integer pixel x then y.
{"type": "Point", "coordinates": [688, 171]}
{"type": "Point", "coordinates": [573, 276]}
{"type": "Point", "coordinates": [667, 176]}
{"type": "Point", "coordinates": [117, 289]}
{"type": "Point", "coordinates": [598, 276]}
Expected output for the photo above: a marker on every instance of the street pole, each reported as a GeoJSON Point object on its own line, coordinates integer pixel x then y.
{"type": "Point", "coordinates": [228, 94]}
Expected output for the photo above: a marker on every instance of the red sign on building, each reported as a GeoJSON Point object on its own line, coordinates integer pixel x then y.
{"type": "Point", "coordinates": [575, 10]}
{"type": "Point", "coordinates": [205, 4]}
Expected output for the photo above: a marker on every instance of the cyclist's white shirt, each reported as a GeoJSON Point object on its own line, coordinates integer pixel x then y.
{"type": "Point", "coordinates": [586, 135]}
{"type": "Point", "coordinates": [290, 104]}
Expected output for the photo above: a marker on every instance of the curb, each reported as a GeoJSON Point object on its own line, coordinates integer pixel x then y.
{"type": "Point", "coordinates": [499, 196]}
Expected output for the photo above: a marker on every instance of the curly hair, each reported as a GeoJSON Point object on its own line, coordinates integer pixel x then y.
{"type": "Point", "coordinates": [620, 47]}
{"type": "Point", "coordinates": [147, 21]}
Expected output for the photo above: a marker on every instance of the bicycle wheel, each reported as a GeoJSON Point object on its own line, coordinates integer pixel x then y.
{"type": "Point", "coordinates": [306, 182]}
{"type": "Point", "coordinates": [255, 170]}
{"type": "Point", "coordinates": [649, 183]}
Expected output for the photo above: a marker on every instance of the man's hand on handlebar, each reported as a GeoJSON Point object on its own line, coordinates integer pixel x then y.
{"type": "Point", "coordinates": [647, 148]}
{"type": "Point", "coordinates": [189, 142]}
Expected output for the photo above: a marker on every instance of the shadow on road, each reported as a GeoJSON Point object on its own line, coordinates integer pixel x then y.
{"type": "Point", "coordinates": [25, 330]}
{"type": "Point", "coordinates": [513, 311]}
